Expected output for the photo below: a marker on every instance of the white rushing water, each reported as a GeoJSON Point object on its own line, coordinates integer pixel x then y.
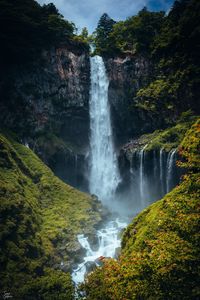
{"type": "Point", "coordinates": [108, 242]}
{"type": "Point", "coordinates": [170, 165]}
{"type": "Point", "coordinates": [161, 164]}
{"type": "Point", "coordinates": [141, 181]}
{"type": "Point", "coordinates": [103, 174]}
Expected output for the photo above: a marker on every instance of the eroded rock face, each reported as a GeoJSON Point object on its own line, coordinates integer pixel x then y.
{"type": "Point", "coordinates": [46, 103]}
{"type": "Point", "coordinates": [50, 94]}
{"type": "Point", "coordinates": [126, 76]}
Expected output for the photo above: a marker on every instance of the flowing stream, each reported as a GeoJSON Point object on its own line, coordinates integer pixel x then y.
{"type": "Point", "coordinates": [103, 174]}
{"type": "Point", "coordinates": [108, 242]}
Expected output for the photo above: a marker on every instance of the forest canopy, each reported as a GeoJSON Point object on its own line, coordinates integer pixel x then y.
{"type": "Point", "coordinates": [27, 27]}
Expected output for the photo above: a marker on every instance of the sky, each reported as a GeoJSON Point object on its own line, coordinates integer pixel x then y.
{"type": "Point", "coordinates": [86, 13]}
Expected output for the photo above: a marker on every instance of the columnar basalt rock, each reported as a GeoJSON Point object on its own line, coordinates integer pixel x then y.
{"type": "Point", "coordinates": [45, 103]}
{"type": "Point", "coordinates": [49, 94]}
{"type": "Point", "coordinates": [126, 76]}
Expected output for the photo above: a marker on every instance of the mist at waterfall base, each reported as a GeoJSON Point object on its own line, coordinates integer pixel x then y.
{"type": "Point", "coordinates": [125, 191]}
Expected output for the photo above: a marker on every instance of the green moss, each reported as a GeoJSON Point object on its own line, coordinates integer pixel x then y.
{"type": "Point", "coordinates": [38, 212]}
{"type": "Point", "coordinates": [169, 138]}
{"type": "Point", "coordinates": [160, 248]}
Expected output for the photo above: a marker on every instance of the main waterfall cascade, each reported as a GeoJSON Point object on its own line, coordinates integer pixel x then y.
{"type": "Point", "coordinates": [104, 175]}
{"type": "Point", "coordinates": [152, 174]}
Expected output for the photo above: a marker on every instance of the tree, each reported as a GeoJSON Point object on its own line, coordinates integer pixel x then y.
{"type": "Point", "coordinates": [84, 33]}
{"type": "Point", "coordinates": [104, 28]}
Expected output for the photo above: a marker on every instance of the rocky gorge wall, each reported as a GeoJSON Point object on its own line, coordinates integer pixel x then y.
{"type": "Point", "coordinates": [126, 76]}
{"type": "Point", "coordinates": [46, 103]}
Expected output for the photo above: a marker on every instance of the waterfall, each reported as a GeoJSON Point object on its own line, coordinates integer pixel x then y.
{"type": "Point", "coordinates": [170, 164]}
{"type": "Point", "coordinates": [141, 172]}
{"type": "Point", "coordinates": [104, 175]}
{"type": "Point", "coordinates": [161, 170]}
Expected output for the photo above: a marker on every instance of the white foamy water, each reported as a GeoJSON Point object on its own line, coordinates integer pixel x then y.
{"type": "Point", "coordinates": [170, 164]}
{"type": "Point", "coordinates": [108, 242]}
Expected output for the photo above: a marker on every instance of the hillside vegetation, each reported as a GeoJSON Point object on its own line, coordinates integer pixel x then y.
{"type": "Point", "coordinates": [40, 218]}
{"type": "Point", "coordinates": [171, 43]}
{"type": "Point", "coordinates": [160, 248]}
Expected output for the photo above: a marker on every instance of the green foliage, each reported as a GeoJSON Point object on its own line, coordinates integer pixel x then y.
{"type": "Point", "coordinates": [38, 212]}
{"type": "Point", "coordinates": [135, 35]}
{"type": "Point", "coordinates": [171, 42]}
{"type": "Point", "coordinates": [190, 149]}
{"type": "Point", "coordinates": [26, 28]}
{"type": "Point", "coordinates": [84, 34]}
{"type": "Point", "coordinates": [53, 285]}
{"type": "Point", "coordinates": [102, 32]}
{"type": "Point", "coordinates": [160, 248]}
{"type": "Point", "coordinates": [158, 98]}
{"type": "Point", "coordinates": [84, 37]}
{"type": "Point", "coordinates": [168, 138]}
{"type": "Point", "coordinates": [175, 51]}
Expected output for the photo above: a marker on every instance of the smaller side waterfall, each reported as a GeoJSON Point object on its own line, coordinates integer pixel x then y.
{"type": "Point", "coordinates": [153, 174]}
{"type": "Point", "coordinates": [170, 165]}
{"type": "Point", "coordinates": [161, 165]}
{"type": "Point", "coordinates": [142, 184]}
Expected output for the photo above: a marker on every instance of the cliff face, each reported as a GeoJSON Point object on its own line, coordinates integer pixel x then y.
{"type": "Point", "coordinates": [49, 94]}
{"type": "Point", "coordinates": [126, 76]}
{"type": "Point", "coordinates": [46, 103]}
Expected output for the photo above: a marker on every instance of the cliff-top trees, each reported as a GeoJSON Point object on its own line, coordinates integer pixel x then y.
{"type": "Point", "coordinates": [27, 27]}
{"type": "Point", "coordinates": [136, 34]}
{"type": "Point", "coordinates": [104, 28]}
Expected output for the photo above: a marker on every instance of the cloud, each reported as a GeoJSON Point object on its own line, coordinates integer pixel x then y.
{"type": "Point", "coordinates": [86, 13]}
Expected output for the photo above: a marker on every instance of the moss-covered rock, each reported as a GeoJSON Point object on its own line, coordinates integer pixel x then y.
{"type": "Point", "coordinates": [167, 139]}
{"type": "Point", "coordinates": [40, 219]}
{"type": "Point", "coordinates": [160, 248]}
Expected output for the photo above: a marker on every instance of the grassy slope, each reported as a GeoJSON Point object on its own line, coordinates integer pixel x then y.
{"type": "Point", "coordinates": [160, 248]}
{"type": "Point", "coordinates": [38, 211]}
{"type": "Point", "coordinates": [168, 138]}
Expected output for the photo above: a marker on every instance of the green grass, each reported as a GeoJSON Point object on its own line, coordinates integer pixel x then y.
{"type": "Point", "coordinates": [38, 213]}
{"type": "Point", "coordinates": [168, 138]}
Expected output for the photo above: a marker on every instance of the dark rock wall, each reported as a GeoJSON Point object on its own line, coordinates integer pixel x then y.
{"type": "Point", "coordinates": [127, 75]}
{"type": "Point", "coordinates": [45, 102]}
{"type": "Point", "coordinates": [50, 94]}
